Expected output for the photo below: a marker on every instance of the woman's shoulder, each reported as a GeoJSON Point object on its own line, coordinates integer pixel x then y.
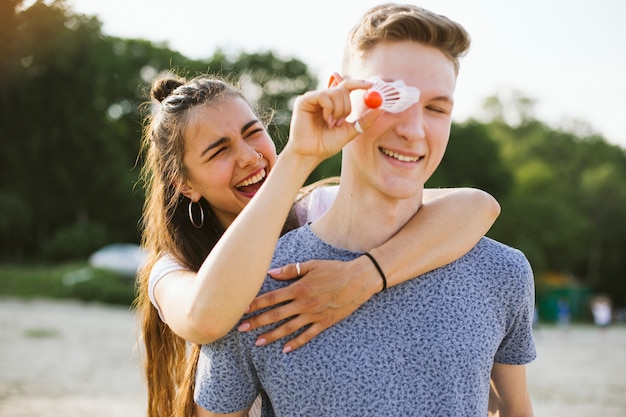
{"type": "Point", "coordinates": [163, 266]}
{"type": "Point", "coordinates": [315, 203]}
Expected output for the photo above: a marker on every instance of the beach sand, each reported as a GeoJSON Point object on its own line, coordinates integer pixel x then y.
{"type": "Point", "coordinates": [65, 358]}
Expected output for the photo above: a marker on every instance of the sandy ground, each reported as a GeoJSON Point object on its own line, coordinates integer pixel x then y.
{"type": "Point", "coordinates": [67, 359]}
{"type": "Point", "coordinates": [73, 359]}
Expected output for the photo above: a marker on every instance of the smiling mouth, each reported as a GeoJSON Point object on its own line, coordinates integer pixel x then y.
{"type": "Point", "coordinates": [252, 184]}
{"type": "Point", "coordinates": [400, 157]}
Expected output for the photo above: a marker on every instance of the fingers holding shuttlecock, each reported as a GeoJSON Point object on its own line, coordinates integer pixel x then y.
{"type": "Point", "coordinates": [393, 97]}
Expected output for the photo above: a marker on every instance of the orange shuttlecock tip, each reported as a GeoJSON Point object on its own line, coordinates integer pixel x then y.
{"type": "Point", "coordinates": [373, 99]}
{"type": "Point", "coordinates": [393, 97]}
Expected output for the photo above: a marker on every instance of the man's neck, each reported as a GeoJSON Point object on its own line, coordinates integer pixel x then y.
{"type": "Point", "coordinates": [360, 221]}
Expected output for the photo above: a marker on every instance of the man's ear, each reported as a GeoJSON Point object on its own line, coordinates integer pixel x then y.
{"type": "Point", "coordinates": [334, 80]}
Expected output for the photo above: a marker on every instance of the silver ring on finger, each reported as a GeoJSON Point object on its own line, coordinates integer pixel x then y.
{"type": "Point", "coordinates": [358, 127]}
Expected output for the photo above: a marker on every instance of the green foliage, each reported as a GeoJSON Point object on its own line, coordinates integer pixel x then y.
{"type": "Point", "coordinates": [567, 207]}
{"type": "Point", "coordinates": [71, 119]}
{"type": "Point", "coordinates": [76, 241]}
{"type": "Point", "coordinates": [327, 169]}
{"type": "Point", "coordinates": [473, 159]}
{"type": "Point", "coordinates": [71, 125]}
{"type": "Point", "coordinates": [100, 285]}
{"type": "Point", "coordinates": [67, 280]}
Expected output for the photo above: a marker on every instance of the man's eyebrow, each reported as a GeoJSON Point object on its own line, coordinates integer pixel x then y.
{"type": "Point", "coordinates": [224, 139]}
{"type": "Point", "coordinates": [443, 98]}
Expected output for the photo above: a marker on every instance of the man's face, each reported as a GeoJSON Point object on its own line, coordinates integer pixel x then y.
{"type": "Point", "coordinates": [401, 151]}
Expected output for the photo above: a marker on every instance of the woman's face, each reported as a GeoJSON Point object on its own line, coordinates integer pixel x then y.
{"type": "Point", "coordinates": [227, 154]}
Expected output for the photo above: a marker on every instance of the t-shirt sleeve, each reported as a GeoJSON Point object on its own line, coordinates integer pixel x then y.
{"type": "Point", "coordinates": [161, 268]}
{"type": "Point", "coordinates": [316, 203]}
{"type": "Point", "coordinates": [518, 346]}
{"type": "Point", "coordinates": [225, 379]}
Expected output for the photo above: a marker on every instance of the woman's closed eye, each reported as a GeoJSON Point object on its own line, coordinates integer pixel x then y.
{"type": "Point", "coordinates": [218, 152]}
{"type": "Point", "coordinates": [252, 132]}
{"type": "Point", "coordinates": [225, 145]}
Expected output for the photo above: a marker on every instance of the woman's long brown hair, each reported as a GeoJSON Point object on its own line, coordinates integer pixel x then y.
{"type": "Point", "coordinates": [169, 361]}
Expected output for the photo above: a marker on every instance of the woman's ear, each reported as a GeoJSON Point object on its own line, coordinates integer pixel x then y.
{"type": "Point", "coordinates": [188, 191]}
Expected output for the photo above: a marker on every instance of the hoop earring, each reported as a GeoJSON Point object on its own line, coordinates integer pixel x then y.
{"type": "Point", "coordinates": [196, 225]}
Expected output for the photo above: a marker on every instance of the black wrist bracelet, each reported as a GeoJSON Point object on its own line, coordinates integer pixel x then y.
{"type": "Point", "coordinates": [379, 269]}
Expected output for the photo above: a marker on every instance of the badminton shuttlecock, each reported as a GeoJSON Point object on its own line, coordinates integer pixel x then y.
{"type": "Point", "coordinates": [393, 97]}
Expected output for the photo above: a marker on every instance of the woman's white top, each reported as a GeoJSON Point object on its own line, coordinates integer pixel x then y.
{"type": "Point", "coordinates": [308, 209]}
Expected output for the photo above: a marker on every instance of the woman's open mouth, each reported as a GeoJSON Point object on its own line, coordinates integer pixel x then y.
{"type": "Point", "coordinates": [252, 184]}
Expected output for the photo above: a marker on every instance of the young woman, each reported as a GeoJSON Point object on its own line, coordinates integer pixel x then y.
{"type": "Point", "coordinates": [218, 198]}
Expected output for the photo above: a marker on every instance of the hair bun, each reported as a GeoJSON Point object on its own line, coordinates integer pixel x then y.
{"type": "Point", "coordinates": [163, 87]}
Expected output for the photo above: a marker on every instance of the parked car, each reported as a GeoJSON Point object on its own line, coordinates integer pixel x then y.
{"type": "Point", "coordinates": [123, 258]}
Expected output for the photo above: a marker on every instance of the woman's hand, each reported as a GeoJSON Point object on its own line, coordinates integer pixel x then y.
{"type": "Point", "coordinates": [327, 292]}
{"type": "Point", "coordinates": [318, 126]}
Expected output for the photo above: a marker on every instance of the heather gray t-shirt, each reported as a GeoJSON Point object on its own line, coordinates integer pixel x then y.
{"type": "Point", "coordinates": [425, 347]}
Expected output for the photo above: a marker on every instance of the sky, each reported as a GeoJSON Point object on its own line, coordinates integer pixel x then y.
{"type": "Point", "coordinates": [567, 55]}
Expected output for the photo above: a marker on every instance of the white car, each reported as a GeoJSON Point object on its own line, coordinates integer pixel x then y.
{"type": "Point", "coordinates": [123, 258]}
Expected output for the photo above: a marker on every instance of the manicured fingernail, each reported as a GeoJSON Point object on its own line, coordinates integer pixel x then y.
{"type": "Point", "coordinates": [260, 342]}
{"type": "Point", "coordinates": [287, 349]}
{"type": "Point", "coordinates": [274, 271]}
{"type": "Point", "coordinates": [244, 327]}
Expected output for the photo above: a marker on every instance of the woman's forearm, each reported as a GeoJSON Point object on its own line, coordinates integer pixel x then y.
{"type": "Point", "coordinates": [437, 235]}
{"type": "Point", "coordinates": [329, 291]}
{"type": "Point", "coordinates": [234, 270]}
{"type": "Point", "coordinates": [202, 307]}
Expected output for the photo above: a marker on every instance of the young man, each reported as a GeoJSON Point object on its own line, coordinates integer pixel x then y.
{"type": "Point", "coordinates": [453, 342]}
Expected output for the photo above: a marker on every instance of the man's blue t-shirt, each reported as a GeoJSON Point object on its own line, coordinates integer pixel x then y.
{"type": "Point", "coordinates": [424, 347]}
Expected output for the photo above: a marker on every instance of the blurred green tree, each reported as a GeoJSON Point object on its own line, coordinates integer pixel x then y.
{"type": "Point", "coordinates": [567, 207]}
{"type": "Point", "coordinates": [71, 123]}
{"type": "Point", "coordinates": [473, 159]}
{"type": "Point", "coordinates": [71, 119]}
